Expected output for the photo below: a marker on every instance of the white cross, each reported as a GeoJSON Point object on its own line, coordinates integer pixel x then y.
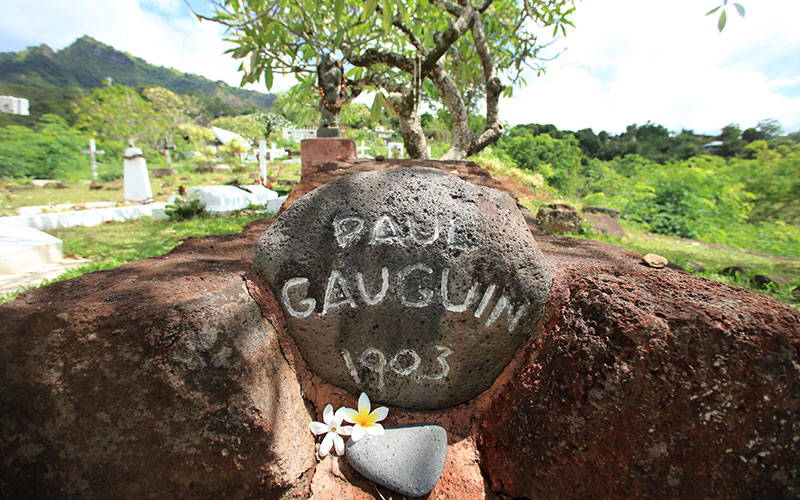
{"type": "Point", "coordinates": [362, 150]}
{"type": "Point", "coordinates": [275, 152]}
{"type": "Point", "coordinates": [93, 159]}
{"type": "Point", "coordinates": [262, 160]}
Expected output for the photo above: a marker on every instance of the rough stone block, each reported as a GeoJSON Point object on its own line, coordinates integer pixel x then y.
{"type": "Point", "coordinates": [408, 284]}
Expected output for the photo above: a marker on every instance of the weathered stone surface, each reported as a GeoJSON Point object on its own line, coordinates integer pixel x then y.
{"type": "Point", "coordinates": [159, 379]}
{"type": "Point", "coordinates": [655, 260]}
{"type": "Point", "coordinates": [408, 459]}
{"type": "Point", "coordinates": [316, 152]}
{"type": "Point", "coordinates": [559, 218]}
{"type": "Point", "coordinates": [611, 212]}
{"type": "Point", "coordinates": [604, 224]}
{"type": "Point", "coordinates": [648, 384]}
{"type": "Point", "coordinates": [409, 284]}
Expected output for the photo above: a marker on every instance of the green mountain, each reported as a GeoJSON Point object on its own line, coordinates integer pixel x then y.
{"type": "Point", "coordinates": [87, 62]}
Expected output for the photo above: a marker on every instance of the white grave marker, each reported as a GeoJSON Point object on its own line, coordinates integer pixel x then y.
{"type": "Point", "coordinates": [262, 160]}
{"type": "Point", "coordinates": [362, 151]}
{"type": "Point", "coordinates": [276, 152]}
{"type": "Point", "coordinates": [226, 199]}
{"type": "Point", "coordinates": [137, 180]}
{"type": "Point", "coordinates": [93, 152]}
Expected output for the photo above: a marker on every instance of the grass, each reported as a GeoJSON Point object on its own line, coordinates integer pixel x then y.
{"type": "Point", "coordinates": [19, 193]}
{"type": "Point", "coordinates": [113, 244]}
{"type": "Point", "coordinates": [714, 258]}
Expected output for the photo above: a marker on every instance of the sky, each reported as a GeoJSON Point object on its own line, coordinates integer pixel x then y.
{"type": "Point", "coordinates": [625, 62]}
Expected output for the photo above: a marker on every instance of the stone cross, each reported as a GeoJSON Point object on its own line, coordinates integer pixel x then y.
{"type": "Point", "coordinates": [92, 152]}
{"type": "Point", "coordinates": [362, 150]}
{"type": "Point", "coordinates": [262, 160]}
{"type": "Point", "coordinates": [275, 152]}
{"type": "Point", "coordinates": [166, 148]}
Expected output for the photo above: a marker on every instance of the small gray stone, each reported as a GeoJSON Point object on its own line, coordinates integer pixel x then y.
{"type": "Point", "coordinates": [407, 459]}
{"type": "Point", "coordinates": [408, 284]}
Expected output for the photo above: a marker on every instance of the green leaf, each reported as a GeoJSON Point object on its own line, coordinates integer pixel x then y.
{"type": "Point", "coordinates": [268, 76]}
{"type": "Point", "coordinates": [713, 10]}
{"type": "Point", "coordinates": [369, 9]}
{"type": "Point", "coordinates": [723, 18]}
{"type": "Point", "coordinates": [387, 16]}
{"type": "Point", "coordinates": [377, 105]}
{"type": "Point", "coordinates": [338, 7]}
{"type": "Point", "coordinates": [739, 9]}
{"type": "Point", "coordinates": [428, 37]}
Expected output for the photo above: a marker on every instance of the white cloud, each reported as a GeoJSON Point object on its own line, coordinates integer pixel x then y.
{"type": "Point", "coordinates": [631, 61]}
{"type": "Point", "coordinates": [628, 61]}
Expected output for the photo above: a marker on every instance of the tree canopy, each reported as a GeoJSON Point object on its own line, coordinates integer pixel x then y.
{"type": "Point", "coordinates": [460, 55]}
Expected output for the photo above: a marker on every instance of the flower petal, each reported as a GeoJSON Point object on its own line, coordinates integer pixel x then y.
{"type": "Point", "coordinates": [318, 428]}
{"type": "Point", "coordinates": [326, 445]}
{"type": "Point", "coordinates": [350, 415]}
{"type": "Point", "coordinates": [374, 430]}
{"type": "Point", "coordinates": [345, 430]}
{"type": "Point", "coordinates": [327, 415]}
{"type": "Point", "coordinates": [337, 418]}
{"type": "Point", "coordinates": [363, 404]}
{"type": "Point", "coordinates": [378, 414]}
{"type": "Point", "coordinates": [358, 433]}
{"type": "Point", "coordinates": [338, 443]}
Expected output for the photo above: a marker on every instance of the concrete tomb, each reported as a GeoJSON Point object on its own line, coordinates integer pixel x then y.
{"type": "Point", "coordinates": [408, 284]}
{"type": "Point", "coordinates": [224, 199]}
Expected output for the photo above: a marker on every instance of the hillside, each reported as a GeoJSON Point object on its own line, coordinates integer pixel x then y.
{"type": "Point", "coordinates": [85, 63]}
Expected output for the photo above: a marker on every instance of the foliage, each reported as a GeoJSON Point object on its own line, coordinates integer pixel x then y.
{"type": "Point", "coordinates": [43, 102]}
{"type": "Point", "coordinates": [723, 14]}
{"type": "Point", "coordinates": [247, 126]}
{"type": "Point", "coordinates": [557, 160]}
{"type": "Point", "coordinates": [498, 163]}
{"type": "Point", "coordinates": [118, 114]}
{"type": "Point", "coordinates": [439, 51]}
{"type": "Point", "coordinates": [182, 209]}
{"type": "Point", "coordinates": [51, 151]}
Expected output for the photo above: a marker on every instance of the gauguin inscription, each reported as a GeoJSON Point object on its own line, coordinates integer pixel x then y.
{"type": "Point", "coordinates": [413, 285]}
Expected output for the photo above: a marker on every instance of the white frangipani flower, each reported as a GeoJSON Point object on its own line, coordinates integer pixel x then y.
{"type": "Point", "coordinates": [366, 421]}
{"type": "Point", "coordinates": [333, 430]}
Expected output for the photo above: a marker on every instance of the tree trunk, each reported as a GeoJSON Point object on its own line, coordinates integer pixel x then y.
{"type": "Point", "coordinates": [413, 136]}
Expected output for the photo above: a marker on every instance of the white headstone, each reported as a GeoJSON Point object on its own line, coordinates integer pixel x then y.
{"type": "Point", "coordinates": [137, 180]}
{"type": "Point", "coordinates": [395, 149]}
{"type": "Point", "coordinates": [262, 160]}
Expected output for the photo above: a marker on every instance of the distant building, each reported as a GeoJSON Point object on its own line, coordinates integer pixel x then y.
{"type": "Point", "coordinates": [14, 105]}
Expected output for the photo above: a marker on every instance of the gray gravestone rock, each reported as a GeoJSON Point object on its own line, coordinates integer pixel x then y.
{"type": "Point", "coordinates": [409, 284]}
{"type": "Point", "coordinates": [559, 218]}
{"type": "Point", "coordinates": [407, 459]}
